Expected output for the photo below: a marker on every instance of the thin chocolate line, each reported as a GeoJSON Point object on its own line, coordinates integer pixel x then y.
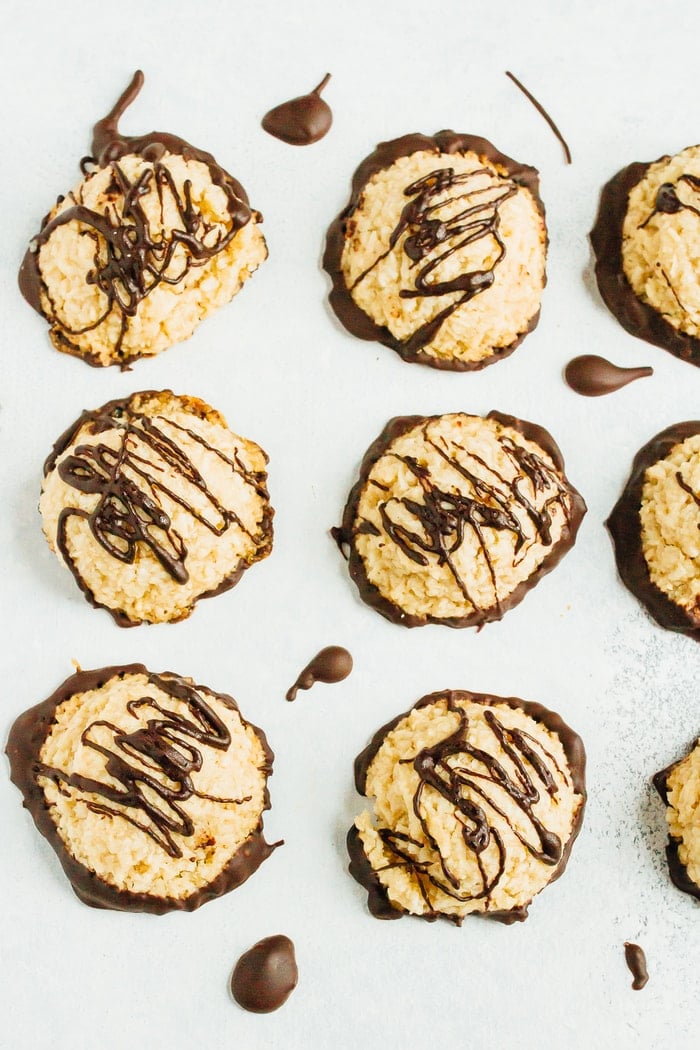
{"type": "Point", "coordinates": [543, 113]}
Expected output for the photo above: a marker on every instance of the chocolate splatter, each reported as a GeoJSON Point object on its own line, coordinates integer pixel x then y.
{"type": "Point", "coordinates": [593, 376]}
{"type": "Point", "coordinates": [302, 120]}
{"type": "Point", "coordinates": [266, 975]}
{"type": "Point", "coordinates": [331, 665]}
{"type": "Point", "coordinates": [637, 963]}
{"type": "Point", "coordinates": [543, 113]}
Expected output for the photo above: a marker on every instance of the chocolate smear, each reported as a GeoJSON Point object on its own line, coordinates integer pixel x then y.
{"type": "Point", "coordinates": [302, 120]}
{"type": "Point", "coordinates": [543, 113]}
{"type": "Point", "coordinates": [637, 963]}
{"type": "Point", "coordinates": [592, 376]}
{"type": "Point", "coordinates": [331, 665]}
{"type": "Point", "coordinates": [265, 976]}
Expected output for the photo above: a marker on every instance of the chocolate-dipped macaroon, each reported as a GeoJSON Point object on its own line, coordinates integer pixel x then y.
{"type": "Point", "coordinates": [152, 503]}
{"type": "Point", "coordinates": [646, 240]}
{"type": "Point", "coordinates": [454, 518]}
{"type": "Point", "coordinates": [477, 801]}
{"type": "Point", "coordinates": [679, 787]}
{"type": "Point", "coordinates": [655, 528]}
{"type": "Point", "coordinates": [440, 253]}
{"type": "Point", "coordinates": [150, 788]}
{"type": "Point", "coordinates": [154, 237]}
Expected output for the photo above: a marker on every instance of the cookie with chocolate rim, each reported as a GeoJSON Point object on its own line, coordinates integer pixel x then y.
{"type": "Point", "coordinates": [477, 801]}
{"type": "Point", "coordinates": [455, 518]}
{"type": "Point", "coordinates": [646, 240]}
{"type": "Point", "coordinates": [654, 528]}
{"type": "Point", "coordinates": [150, 788]}
{"type": "Point", "coordinates": [153, 503]}
{"type": "Point", "coordinates": [679, 787]}
{"type": "Point", "coordinates": [440, 253]}
{"type": "Point", "coordinates": [154, 237]}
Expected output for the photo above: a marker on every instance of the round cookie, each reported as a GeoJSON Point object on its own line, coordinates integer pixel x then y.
{"type": "Point", "coordinates": [455, 517]}
{"type": "Point", "coordinates": [477, 801]}
{"type": "Point", "coordinates": [154, 237]}
{"type": "Point", "coordinates": [149, 788]}
{"type": "Point", "coordinates": [655, 528]}
{"type": "Point", "coordinates": [152, 503]}
{"type": "Point", "coordinates": [646, 240]}
{"type": "Point", "coordinates": [679, 787]}
{"type": "Point", "coordinates": [440, 253]}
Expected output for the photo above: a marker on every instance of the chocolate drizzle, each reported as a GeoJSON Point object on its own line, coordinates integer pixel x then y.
{"type": "Point", "coordinates": [593, 376]}
{"type": "Point", "coordinates": [624, 526]}
{"type": "Point", "coordinates": [331, 665]}
{"type": "Point", "coordinates": [149, 774]}
{"type": "Point", "coordinates": [636, 317]}
{"type": "Point", "coordinates": [130, 260]}
{"type": "Point", "coordinates": [443, 517]}
{"type": "Point", "coordinates": [301, 121]}
{"type": "Point", "coordinates": [470, 780]}
{"type": "Point", "coordinates": [428, 241]}
{"type": "Point", "coordinates": [266, 975]}
{"type": "Point", "coordinates": [130, 481]}
{"type": "Point", "coordinates": [637, 964]}
{"type": "Point", "coordinates": [543, 113]}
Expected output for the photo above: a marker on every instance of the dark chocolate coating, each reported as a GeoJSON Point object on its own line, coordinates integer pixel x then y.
{"type": "Point", "coordinates": [378, 902]}
{"type": "Point", "coordinates": [593, 376]}
{"type": "Point", "coordinates": [373, 597]}
{"type": "Point", "coordinates": [114, 414]}
{"type": "Point", "coordinates": [635, 316]}
{"type": "Point", "coordinates": [332, 664]}
{"type": "Point", "coordinates": [108, 145]}
{"type": "Point", "coordinates": [266, 975]}
{"type": "Point", "coordinates": [624, 526]}
{"type": "Point", "coordinates": [677, 870]}
{"type": "Point", "coordinates": [347, 311]}
{"type": "Point", "coordinates": [300, 121]}
{"type": "Point", "coordinates": [637, 963]}
{"type": "Point", "coordinates": [24, 745]}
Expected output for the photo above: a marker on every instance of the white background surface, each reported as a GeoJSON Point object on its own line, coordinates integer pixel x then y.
{"type": "Point", "coordinates": [620, 79]}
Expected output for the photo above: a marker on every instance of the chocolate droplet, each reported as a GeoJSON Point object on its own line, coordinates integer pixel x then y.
{"type": "Point", "coordinates": [265, 976]}
{"type": "Point", "coordinates": [592, 376]}
{"type": "Point", "coordinates": [637, 963]}
{"type": "Point", "coordinates": [302, 120]}
{"type": "Point", "coordinates": [332, 664]}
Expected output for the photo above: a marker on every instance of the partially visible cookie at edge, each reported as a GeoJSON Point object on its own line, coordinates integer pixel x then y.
{"type": "Point", "coordinates": [455, 517]}
{"type": "Point", "coordinates": [655, 528]}
{"type": "Point", "coordinates": [646, 240]}
{"type": "Point", "coordinates": [477, 801]}
{"type": "Point", "coordinates": [150, 788]}
{"type": "Point", "coordinates": [152, 503]}
{"type": "Point", "coordinates": [679, 787]}
{"type": "Point", "coordinates": [440, 253]}
{"type": "Point", "coordinates": [154, 237]}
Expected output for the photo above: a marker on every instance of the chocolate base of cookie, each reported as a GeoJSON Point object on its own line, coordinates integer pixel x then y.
{"type": "Point", "coordinates": [636, 317]}
{"type": "Point", "coordinates": [350, 315]}
{"type": "Point", "coordinates": [677, 870]}
{"type": "Point", "coordinates": [624, 526]}
{"type": "Point", "coordinates": [362, 871]}
{"type": "Point", "coordinates": [24, 744]}
{"type": "Point", "coordinates": [370, 594]}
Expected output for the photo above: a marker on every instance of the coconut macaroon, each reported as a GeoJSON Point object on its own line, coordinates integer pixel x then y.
{"type": "Point", "coordinates": [454, 518]}
{"type": "Point", "coordinates": [150, 788]}
{"type": "Point", "coordinates": [679, 786]}
{"type": "Point", "coordinates": [655, 527]}
{"type": "Point", "coordinates": [153, 238]}
{"type": "Point", "coordinates": [477, 801]}
{"type": "Point", "coordinates": [152, 502]}
{"type": "Point", "coordinates": [440, 253]}
{"type": "Point", "coordinates": [647, 245]}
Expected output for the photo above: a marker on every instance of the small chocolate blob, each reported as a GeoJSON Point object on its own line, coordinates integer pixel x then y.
{"type": "Point", "coordinates": [302, 120]}
{"type": "Point", "coordinates": [592, 376]}
{"type": "Point", "coordinates": [332, 664]}
{"type": "Point", "coordinates": [265, 976]}
{"type": "Point", "coordinates": [637, 963]}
